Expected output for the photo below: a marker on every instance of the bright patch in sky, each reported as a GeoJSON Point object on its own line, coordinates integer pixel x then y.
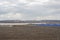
{"type": "Point", "coordinates": [12, 16]}
{"type": "Point", "coordinates": [33, 1]}
{"type": "Point", "coordinates": [42, 1]}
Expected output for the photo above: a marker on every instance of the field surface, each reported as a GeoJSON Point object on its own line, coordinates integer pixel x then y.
{"type": "Point", "coordinates": [29, 33]}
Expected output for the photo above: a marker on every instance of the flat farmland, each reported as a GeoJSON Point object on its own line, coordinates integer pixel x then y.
{"type": "Point", "coordinates": [20, 32]}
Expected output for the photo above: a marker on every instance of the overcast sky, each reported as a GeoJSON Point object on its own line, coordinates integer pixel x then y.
{"type": "Point", "coordinates": [29, 9]}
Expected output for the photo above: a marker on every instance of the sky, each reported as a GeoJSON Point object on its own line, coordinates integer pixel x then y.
{"type": "Point", "coordinates": [29, 9]}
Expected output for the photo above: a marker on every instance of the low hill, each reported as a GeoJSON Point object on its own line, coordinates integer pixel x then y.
{"type": "Point", "coordinates": [32, 21]}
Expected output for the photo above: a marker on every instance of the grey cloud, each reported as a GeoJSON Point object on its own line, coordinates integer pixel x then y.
{"type": "Point", "coordinates": [56, 0]}
{"type": "Point", "coordinates": [37, 10]}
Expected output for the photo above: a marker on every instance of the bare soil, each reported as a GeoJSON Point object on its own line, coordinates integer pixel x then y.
{"type": "Point", "coordinates": [18, 32]}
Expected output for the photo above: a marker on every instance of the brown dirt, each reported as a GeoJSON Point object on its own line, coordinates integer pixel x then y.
{"type": "Point", "coordinates": [29, 33]}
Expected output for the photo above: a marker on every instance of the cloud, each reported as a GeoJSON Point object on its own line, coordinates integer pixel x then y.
{"type": "Point", "coordinates": [11, 16]}
{"type": "Point", "coordinates": [55, 17]}
{"type": "Point", "coordinates": [30, 9]}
